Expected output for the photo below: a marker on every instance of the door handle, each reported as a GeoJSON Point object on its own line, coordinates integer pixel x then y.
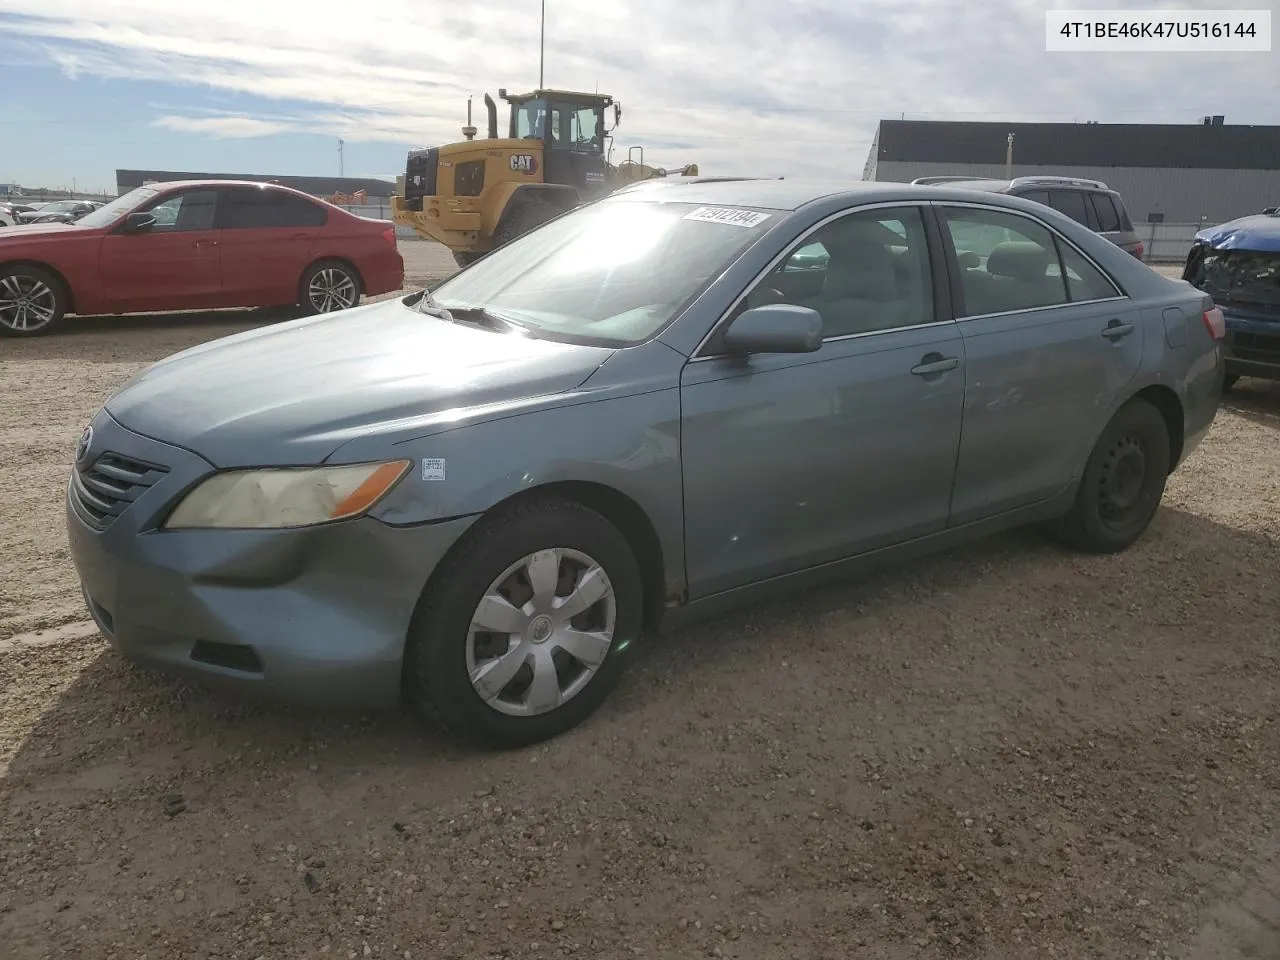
{"type": "Point", "coordinates": [211, 243]}
{"type": "Point", "coordinates": [934, 363]}
{"type": "Point", "coordinates": [1115, 330]}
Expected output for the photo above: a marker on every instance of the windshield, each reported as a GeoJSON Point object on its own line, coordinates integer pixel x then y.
{"type": "Point", "coordinates": [108, 213]}
{"type": "Point", "coordinates": [1239, 276]}
{"type": "Point", "coordinates": [613, 273]}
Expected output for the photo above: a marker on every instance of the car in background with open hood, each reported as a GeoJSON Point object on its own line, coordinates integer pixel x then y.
{"type": "Point", "coordinates": [1238, 265]}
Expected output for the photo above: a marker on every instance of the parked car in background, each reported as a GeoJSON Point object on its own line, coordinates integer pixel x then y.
{"type": "Point", "coordinates": [195, 245]}
{"type": "Point", "coordinates": [1238, 265]}
{"type": "Point", "coordinates": [1088, 202]}
{"type": "Point", "coordinates": [59, 211]}
{"type": "Point", "coordinates": [482, 497]}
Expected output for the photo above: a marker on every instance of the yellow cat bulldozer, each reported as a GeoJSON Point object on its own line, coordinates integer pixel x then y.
{"type": "Point", "coordinates": [474, 195]}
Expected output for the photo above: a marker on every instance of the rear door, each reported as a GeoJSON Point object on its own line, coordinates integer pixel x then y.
{"type": "Point", "coordinates": [1047, 357]}
{"type": "Point", "coordinates": [173, 265]}
{"type": "Point", "coordinates": [267, 239]}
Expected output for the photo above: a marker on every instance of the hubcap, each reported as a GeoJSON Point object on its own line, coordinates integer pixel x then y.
{"type": "Point", "coordinates": [1123, 477]}
{"type": "Point", "coordinates": [332, 289]}
{"type": "Point", "coordinates": [540, 632]}
{"type": "Point", "coordinates": [26, 303]}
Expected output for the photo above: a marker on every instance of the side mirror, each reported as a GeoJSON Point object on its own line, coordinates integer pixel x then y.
{"type": "Point", "coordinates": [775, 328]}
{"type": "Point", "coordinates": [138, 222]}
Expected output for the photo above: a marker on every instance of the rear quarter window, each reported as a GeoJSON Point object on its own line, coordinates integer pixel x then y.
{"type": "Point", "coordinates": [1108, 216]}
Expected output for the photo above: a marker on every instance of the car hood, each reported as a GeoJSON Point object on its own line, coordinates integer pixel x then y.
{"type": "Point", "coordinates": [1259, 232]}
{"type": "Point", "coordinates": [293, 393]}
{"type": "Point", "coordinates": [22, 231]}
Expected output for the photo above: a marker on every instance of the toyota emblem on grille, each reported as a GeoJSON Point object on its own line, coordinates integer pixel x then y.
{"type": "Point", "coordinates": [86, 441]}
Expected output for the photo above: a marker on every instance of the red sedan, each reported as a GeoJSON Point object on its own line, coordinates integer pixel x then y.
{"type": "Point", "coordinates": [195, 245]}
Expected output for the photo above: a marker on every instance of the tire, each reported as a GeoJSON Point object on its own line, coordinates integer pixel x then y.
{"type": "Point", "coordinates": [328, 286]}
{"type": "Point", "coordinates": [465, 258]}
{"type": "Point", "coordinates": [1123, 482]}
{"type": "Point", "coordinates": [32, 301]}
{"type": "Point", "coordinates": [442, 651]}
{"type": "Point", "coordinates": [529, 215]}
{"type": "Point", "coordinates": [1229, 381]}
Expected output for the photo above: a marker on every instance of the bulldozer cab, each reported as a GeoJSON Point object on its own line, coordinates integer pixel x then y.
{"type": "Point", "coordinates": [571, 127]}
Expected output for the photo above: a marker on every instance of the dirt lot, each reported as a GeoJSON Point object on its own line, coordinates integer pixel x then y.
{"type": "Point", "coordinates": [1009, 751]}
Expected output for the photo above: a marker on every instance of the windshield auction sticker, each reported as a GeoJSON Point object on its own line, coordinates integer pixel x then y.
{"type": "Point", "coordinates": [738, 218]}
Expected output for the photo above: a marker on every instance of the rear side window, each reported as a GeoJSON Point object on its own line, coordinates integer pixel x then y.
{"type": "Point", "coordinates": [1084, 280]}
{"type": "Point", "coordinates": [1072, 203]}
{"type": "Point", "coordinates": [262, 209]}
{"type": "Point", "coordinates": [1108, 217]}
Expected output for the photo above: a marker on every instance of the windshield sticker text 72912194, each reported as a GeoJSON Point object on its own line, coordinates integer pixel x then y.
{"type": "Point", "coordinates": [738, 218]}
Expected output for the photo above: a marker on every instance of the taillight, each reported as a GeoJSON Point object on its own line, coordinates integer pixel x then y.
{"type": "Point", "coordinates": [389, 235]}
{"type": "Point", "coordinates": [1215, 323]}
{"type": "Point", "coordinates": [1140, 251]}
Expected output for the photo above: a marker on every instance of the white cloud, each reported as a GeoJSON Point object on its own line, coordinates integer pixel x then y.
{"type": "Point", "coordinates": [228, 127]}
{"type": "Point", "coordinates": [748, 86]}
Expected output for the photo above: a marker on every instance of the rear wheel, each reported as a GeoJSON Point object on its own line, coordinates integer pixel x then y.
{"type": "Point", "coordinates": [328, 286]}
{"type": "Point", "coordinates": [1123, 482]}
{"type": "Point", "coordinates": [527, 626]}
{"type": "Point", "coordinates": [32, 301]}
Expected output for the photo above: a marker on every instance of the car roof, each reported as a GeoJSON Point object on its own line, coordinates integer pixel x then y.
{"type": "Point", "coordinates": [217, 182]}
{"type": "Point", "coordinates": [781, 194]}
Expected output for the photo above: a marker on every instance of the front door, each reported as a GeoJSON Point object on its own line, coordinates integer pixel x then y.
{"type": "Point", "coordinates": [794, 460]}
{"type": "Point", "coordinates": [574, 154]}
{"type": "Point", "coordinates": [175, 264]}
{"type": "Point", "coordinates": [1048, 356]}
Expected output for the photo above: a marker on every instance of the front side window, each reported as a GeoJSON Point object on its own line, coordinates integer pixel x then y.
{"type": "Point", "coordinates": [531, 118]}
{"type": "Point", "coordinates": [864, 272]}
{"type": "Point", "coordinates": [182, 212]}
{"type": "Point", "coordinates": [613, 273]}
{"type": "Point", "coordinates": [1008, 262]}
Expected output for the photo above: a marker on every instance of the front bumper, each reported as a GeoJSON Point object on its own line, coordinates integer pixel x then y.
{"type": "Point", "coordinates": [313, 615]}
{"type": "Point", "coordinates": [1252, 346]}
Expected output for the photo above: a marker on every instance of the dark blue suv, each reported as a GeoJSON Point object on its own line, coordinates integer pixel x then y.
{"type": "Point", "coordinates": [1238, 265]}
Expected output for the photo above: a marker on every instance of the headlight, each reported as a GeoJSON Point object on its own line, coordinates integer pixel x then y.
{"type": "Point", "coordinates": [271, 499]}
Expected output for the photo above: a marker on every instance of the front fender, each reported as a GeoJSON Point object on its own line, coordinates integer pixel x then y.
{"type": "Point", "coordinates": [629, 444]}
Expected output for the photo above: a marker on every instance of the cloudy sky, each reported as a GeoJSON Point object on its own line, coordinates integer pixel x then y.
{"type": "Point", "coordinates": [742, 87]}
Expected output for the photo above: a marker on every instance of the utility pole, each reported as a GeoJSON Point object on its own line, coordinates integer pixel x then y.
{"type": "Point", "coordinates": [1008, 159]}
{"type": "Point", "coordinates": [340, 159]}
{"type": "Point", "coordinates": [542, 44]}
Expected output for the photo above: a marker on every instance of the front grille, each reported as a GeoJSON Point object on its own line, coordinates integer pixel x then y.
{"type": "Point", "coordinates": [1254, 346]}
{"type": "Point", "coordinates": [420, 176]}
{"type": "Point", "coordinates": [103, 491]}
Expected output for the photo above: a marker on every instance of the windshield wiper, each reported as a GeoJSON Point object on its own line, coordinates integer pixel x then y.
{"type": "Point", "coordinates": [432, 308]}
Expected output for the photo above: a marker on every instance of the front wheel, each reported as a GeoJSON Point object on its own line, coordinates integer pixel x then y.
{"type": "Point", "coordinates": [1123, 482]}
{"type": "Point", "coordinates": [526, 627]}
{"type": "Point", "coordinates": [328, 286]}
{"type": "Point", "coordinates": [32, 301]}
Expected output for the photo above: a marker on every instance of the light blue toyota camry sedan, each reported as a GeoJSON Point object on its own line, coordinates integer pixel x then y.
{"type": "Point", "coordinates": [480, 499]}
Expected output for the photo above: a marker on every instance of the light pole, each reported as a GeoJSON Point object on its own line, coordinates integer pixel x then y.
{"type": "Point", "coordinates": [340, 159]}
{"type": "Point", "coordinates": [542, 44]}
{"type": "Point", "coordinates": [1008, 159]}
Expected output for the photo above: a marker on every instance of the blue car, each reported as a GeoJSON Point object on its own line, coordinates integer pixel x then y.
{"type": "Point", "coordinates": [1238, 265]}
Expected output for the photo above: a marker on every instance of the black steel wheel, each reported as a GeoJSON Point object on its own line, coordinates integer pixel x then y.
{"type": "Point", "coordinates": [1123, 483]}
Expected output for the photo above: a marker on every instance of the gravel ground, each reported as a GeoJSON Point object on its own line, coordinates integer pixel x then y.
{"type": "Point", "coordinates": [1005, 752]}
